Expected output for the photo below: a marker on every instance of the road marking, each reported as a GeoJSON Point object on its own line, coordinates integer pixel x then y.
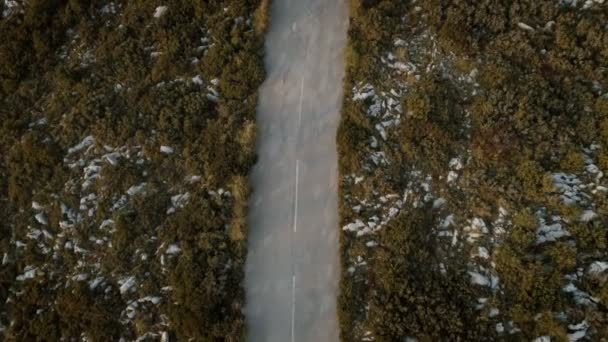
{"type": "Point", "coordinates": [293, 307]}
{"type": "Point", "coordinates": [295, 212]}
{"type": "Point", "coordinates": [301, 96]}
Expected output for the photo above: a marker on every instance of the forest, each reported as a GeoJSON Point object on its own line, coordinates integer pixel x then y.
{"type": "Point", "coordinates": [127, 133]}
{"type": "Point", "coordinates": [472, 149]}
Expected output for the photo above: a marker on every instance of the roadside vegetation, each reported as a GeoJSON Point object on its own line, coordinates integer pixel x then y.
{"type": "Point", "coordinates": [473, 148]}
{"type": "Point", "coordinates": [127, 132]}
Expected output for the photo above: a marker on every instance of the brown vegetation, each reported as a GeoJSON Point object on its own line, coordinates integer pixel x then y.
{"type": "Point", "coordinates": [133, 82]}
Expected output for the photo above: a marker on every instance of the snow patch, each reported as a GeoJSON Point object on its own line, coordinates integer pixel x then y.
{"type": "Point", "coordinates": [160, 11]}
{"type": "Point", "coordinates": [36, 206]}
{"type": "Point", "coordinates": [28, 273]}
{"type": "Point", "coordinates": [479, 279]}
{"type": "Point", "coordinates": [579, 331]}
{"type": "Point", "coordinates": [549, 233]}
{"type": "Point", "coordinates": [166, 149]}
{"type": "Point", "coordinates": [178, 201]}
{"type": "Point", "coordinates": [452, 176]}
{"type": "Point", "coordinates": [455, 164]}
{"type": "Point", "coordinates": [197, 80]}
{"type": "Point", "coordinates": [86, 142]}
{"type": "Point", "coordinates": [173, 249]}
{"type": "Point", "coordinates": [525, 27]}
{"type": "Point", "coordinates": [136, 189]}
{"type": "Point", "coordinates": [126, 284]}
{"type": "Point", "coordinates": [588, 215]}
{"type": "Point", "coordinates": [598, 267]}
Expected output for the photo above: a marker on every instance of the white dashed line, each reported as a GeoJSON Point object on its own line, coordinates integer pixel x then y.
{"type": "Point", "coordinates": [295, 211]}
{"type": "Point", "coordinates": [301, 96]}
{"type": "Point", "coordinates": [293, 307]}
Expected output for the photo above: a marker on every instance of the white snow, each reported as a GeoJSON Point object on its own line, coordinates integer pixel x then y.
{"type": "Point", "coordinates": [580, 330]}
{"type": "Point", "coordinates": [569, 186]}
{"type": "Point", "coordinates": [86, 142]}
{"type": "Point", "coordinates": [382, 132]}
{"type": "Point", "coordinates": [577, 335]}
{"type": "Point", "coordinates": [579, 326]}
{"type": "Point", "coordinates": [136, 189]}
{"type": "Point", "coordinates": [197, 80]}
{"type": "Point", "coordinates": [212, 98]}
{"type": "Point", "coordinates": [126, 284]}
{"type": "Point", "coordinates": [438, 203]}
{"type": "Point", "coordinates": [213, 94]}
{"type": "Point", "coordinates": [29, 273]}
{"type": "Point", "coordinates": [479, 279]}
{"type": "Point", "coordinates": [364, 93]}
{"type": "Point", "coordinates": [166, 149]}
{"type": "Point", "coordinates": [483, 253]}
{"type": "Point", "coordinates": [34, 234]}
{"type": "Point", "coordinates": [95, 282]}
{"type": "Point", "coordinates": [91, 173]}
{"type": "Point", "coordinates": [108, 9]}
{"type": "Point", "coordinates": [592, 168]}
{"type": "Point", "coordinates": [580, 297]}
{"type": "Point", "coordinates": [525, 26]}
{"type": "Point", "coordinates": [588, 215]}
{"type": "Point", "coordinates": [452, 176]}
{"type": "Point", "coordinates": [178, 201]}
{"type": "Point", "coordinates": [152, 299]}
{"type": "Point", "coordinates": [550, 233]}
{"type": "Point", "coordinates": [194, 179]}
{"type": "Point", "coordinates": [544, 338]}
{"type": "Point", "coordinates": [36, 206]}
{"type": "Point", "coordinates": [106, 223]}
{"type": "Point", "coordinates": [173, 249]}
{"type": "Point", "coordinates": [112, 158]}
{"type": "Point", "coordinates": [399, 42]}
{"type": "Point", "coordinates": [456, 164]}
{"type": "Point", "coordinates": [378, 158]}
{"type": "Point", "coordinates": [80, 277]}
{"type": "Point", "coordinates": [120, 202]}
{"type": "Point", "coordinates": [589, 3]}
{"type": "Point", "coordinates": [9, 7]}
{"type": "Point", "coordinates": [598, 267]}
{"type": "Point", "coordinates": [448, 221]}
{"type": "Point", "coordinates": [160, 11]}
{"type": "Point", "coordinates": [476, 229]}
{"type": "Point", "coordinates": [41, 218]}
{"type": "Point", "coordinates": [355, 226]}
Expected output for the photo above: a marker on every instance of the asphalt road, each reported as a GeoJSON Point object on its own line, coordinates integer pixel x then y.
{"type": "Point", "coordinates": [291, 277]}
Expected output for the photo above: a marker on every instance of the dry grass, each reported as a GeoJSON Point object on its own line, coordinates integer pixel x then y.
{"type": "Point", "coordinates": [261, 17]}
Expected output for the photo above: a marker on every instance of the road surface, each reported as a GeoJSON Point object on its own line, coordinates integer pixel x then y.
{"type": "Point", "coordinates": [292, 270]}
